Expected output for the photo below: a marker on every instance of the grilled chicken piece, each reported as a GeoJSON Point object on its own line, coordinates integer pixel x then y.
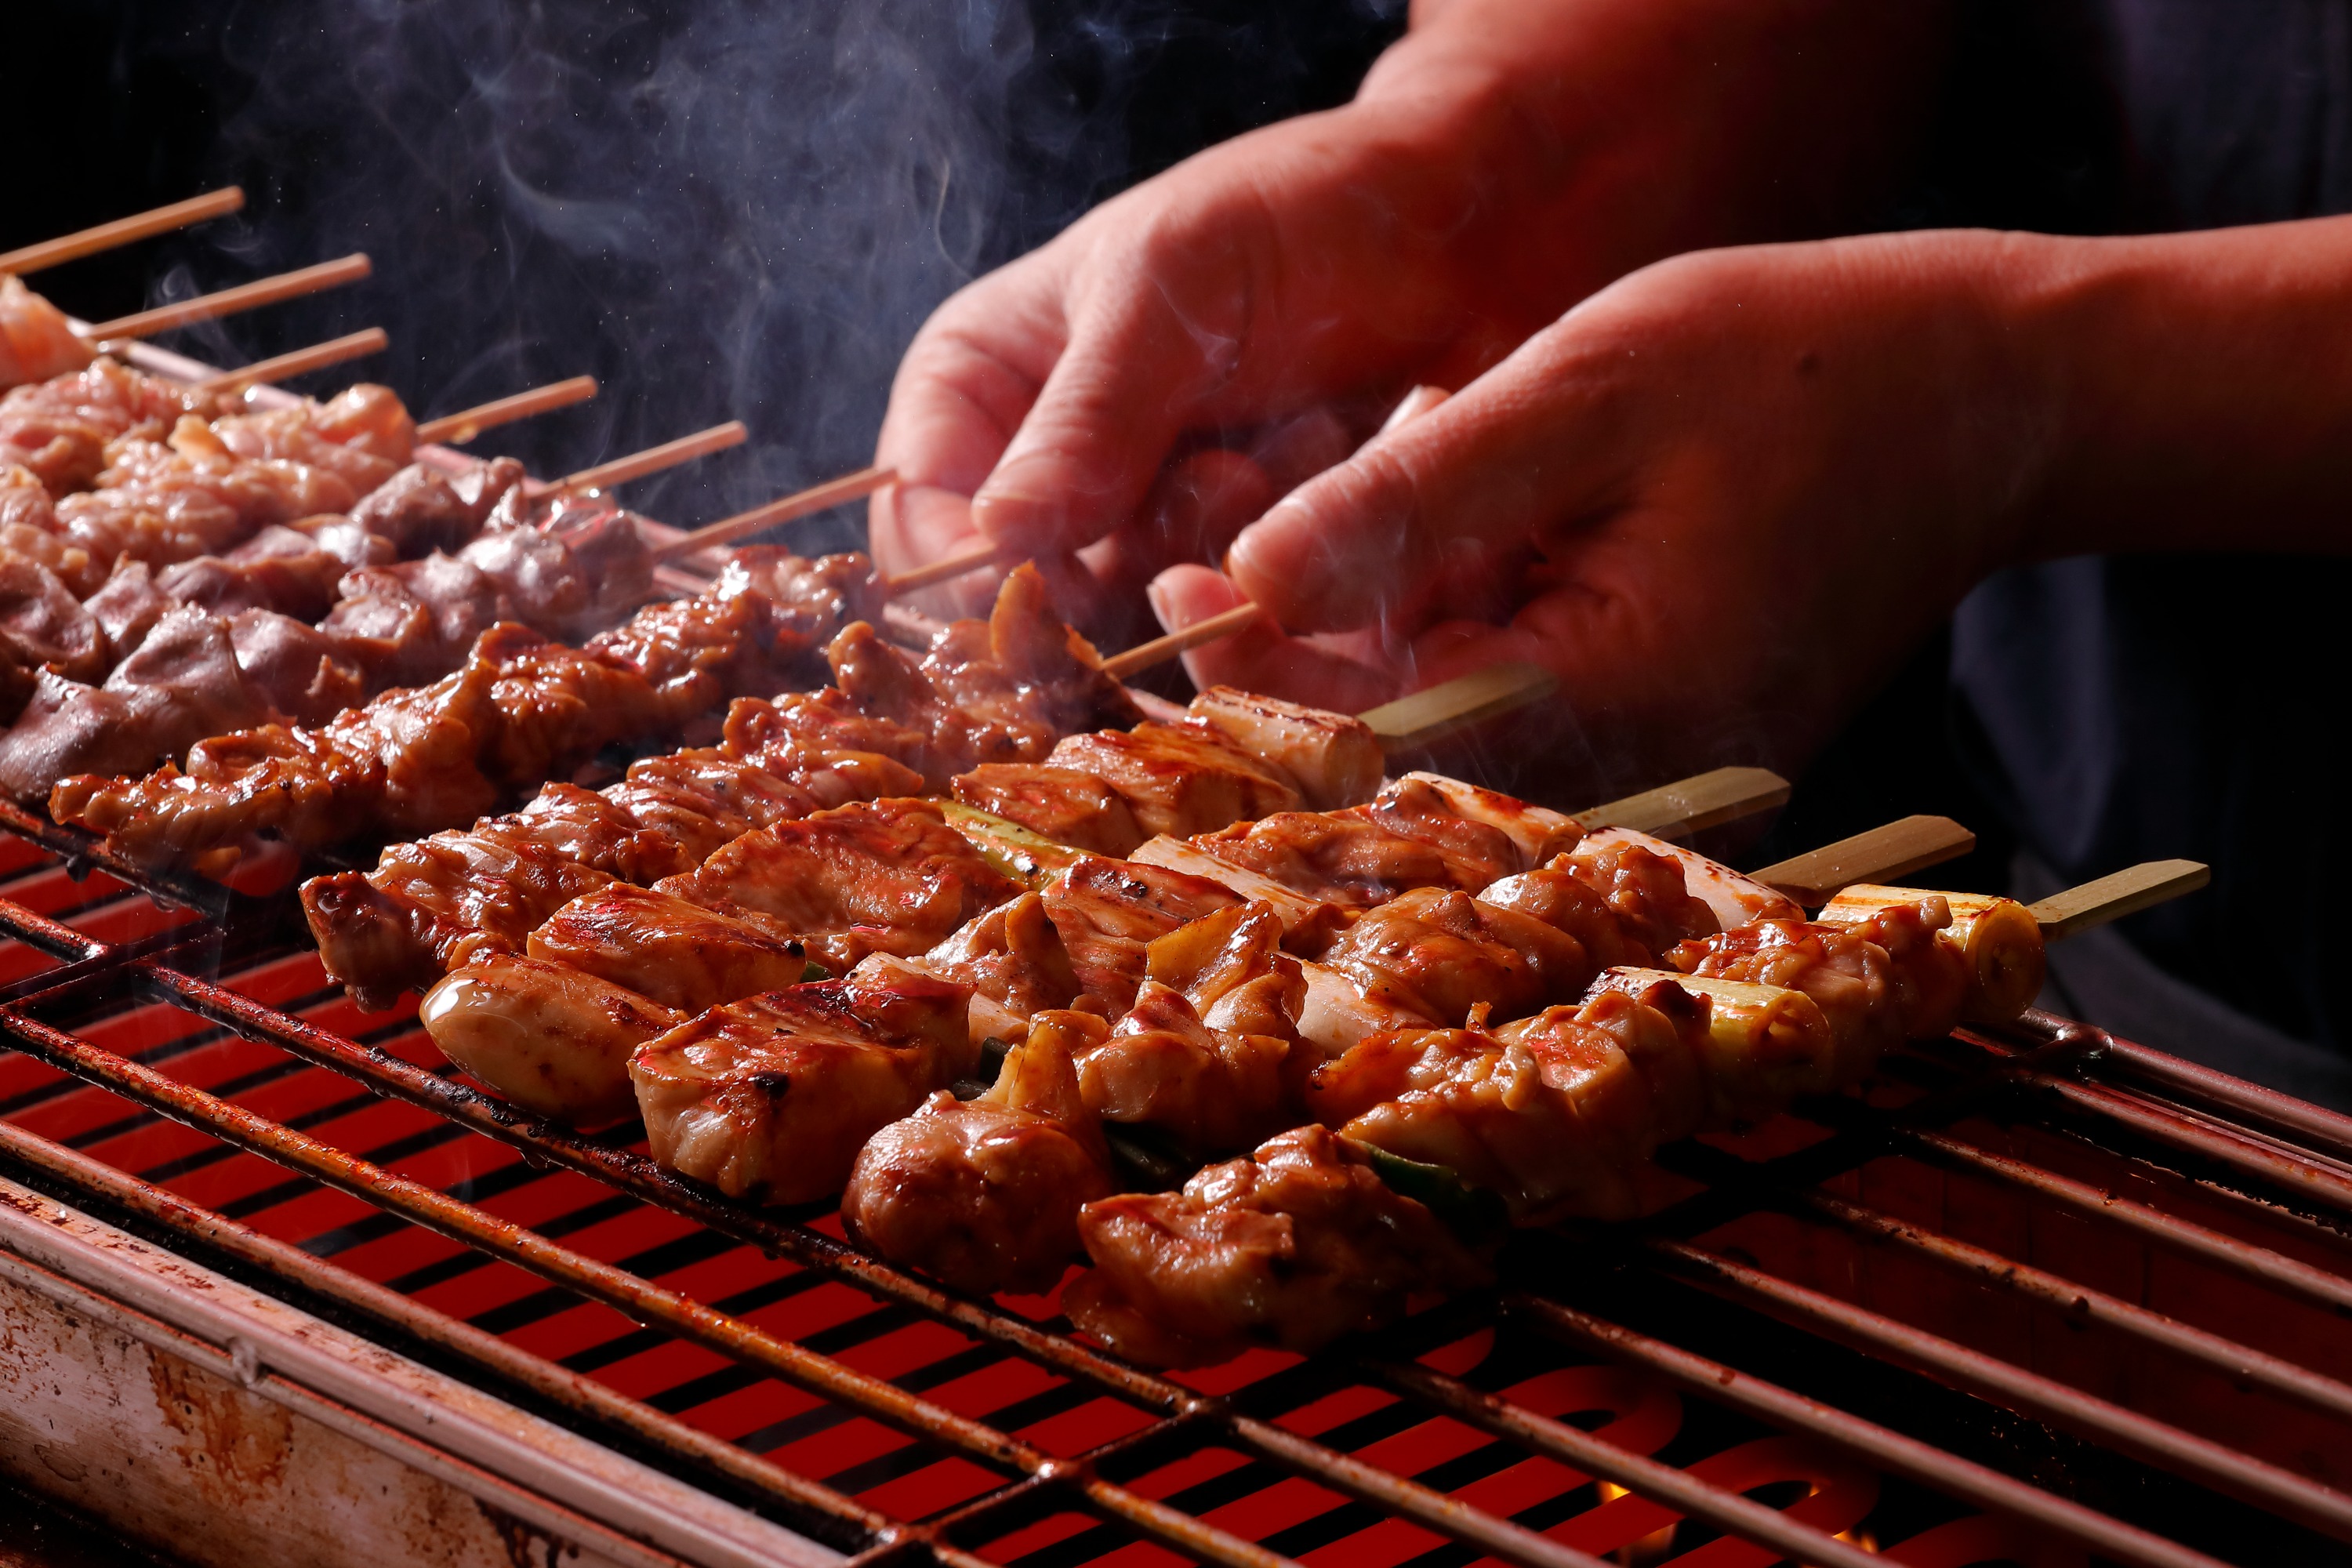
{"type": "Point", "coordinates": [1644, 892]}
{"type": "Point", "coordinates": [1998, 942]}
{"type": "Point", "coordinates": [680, 954]}
{"type": "Point", "coordinates": [424, 906]}
{"type": "Point", "coordinates": [128, 606]}
{"type": "Point", "coordinates": [306, 673]}
{"type": "Point", "coordinates": [877, 876]}
{"type": "Point", "coordinates": [165, 501]}
{"type": "Point", "coordinates": [1554, 1114]}
{"type": "Point", "coordinates": [431, 904]}
{"type": "Point", "coordinates": [59, 428]}
{"type": "Point", "coordinates": [984, 1194]}
{"type": "Point", "coordinates": [772, 1097]}
{"type": "Point", "coordinates": [183, 683]}
{"type": "Point", "coordinates": [1760, 1047]}
{"type": "Point", "coordinates": [1293, 1246]}
{"type": "Point", "coordinates": [1205, 1052]}
{"type": "Point", "coordinates": [807, 600]}
{"type": "Point", "coordinates": [1108, 911]}
{"type": "Point", "coordinates": [1060, 804]}
{"type": "Point", "coordinates": [1307, 921]}
{"type": "Point", "coordinates": [28, 531]}
{"type": "Point", "coordinates": [1341, 857]}
{"type": "Point", "coordinates": [43, 627]}
{"type": "Point", "coordinates": [36, 342]}
{"type": "Point", "coordinates": [1440, 952]}
{"type": "Point", "coordinates": [1000, 690]}
{"type": "Point", "coordinates": [1179, 779]}
{"type": "Point", "coordinates": [1335, 758]}
{"type": "Point", "coordinates": [807, 736]}
{"type": "Point", "coordinates": [1732, 899]}
{"type": "Point", "coordinates": [362, 433]}
{"type": "Point", "coordinates": [1879, 980]}
{"type": "Point", "coordinates": [1561, 895]}
{"type": "Point", "coordinates": [1014, 962]}
{"type": "Point", "coordinates": [553, 1039]}
{"type": "Point", "coordinates": [1537, 832]}
{"type": "Point", "coordinates": [1476, 852]}
{"type": "Point", "coordinates": [421, 510]}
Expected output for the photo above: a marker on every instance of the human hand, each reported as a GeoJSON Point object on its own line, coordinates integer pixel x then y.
{"type": "Point", "coordinates": [1720, 500]}
{"type": "Point", "coordinates": [1189, 351]}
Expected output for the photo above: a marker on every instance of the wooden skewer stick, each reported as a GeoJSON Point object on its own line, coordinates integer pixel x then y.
{"type": "Point", "coordinates": [123, 231]}
{"type": "Point", "coordinates": [1143, 655]}
{"type": "Point", "coordinates": [2111, 897]}
{"type": "Point", "coordinates": [229, 301]}
{"type": "Point", "coordinates": [1430, 714]}
{"type": "Point", "coordinates": [816, 498]}
{"type": "Point", "coordinates": [1882, 854]}
{"type": "Point", "coordinates": [941, 571]}
{"type": "Point", "coordinates": [457, 429]}
{"type": "Point", "coordinates": [1693, 805]}
{"type": "Point", "coordinates": [318, 356]}
{"type": "Point", "coordinates": [654, 460]}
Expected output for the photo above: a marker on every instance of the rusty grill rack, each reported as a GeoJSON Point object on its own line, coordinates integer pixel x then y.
{"type": "Point", "coordinates": [2042, 1296]}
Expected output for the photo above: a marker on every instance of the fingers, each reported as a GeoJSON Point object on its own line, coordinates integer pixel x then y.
{"type": "Point", "coordinates": [1453, 498]}
{"type": "Point", "coordinates": [1348, 675]}
{"type": "Point", "coordinates": [1142, 353]}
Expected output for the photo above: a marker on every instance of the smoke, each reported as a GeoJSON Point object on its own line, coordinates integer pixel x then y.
{"type": "Point", "coordinates": [734, 209]}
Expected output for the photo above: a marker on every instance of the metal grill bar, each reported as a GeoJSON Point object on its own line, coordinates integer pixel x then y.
{"type": "Point", "coordinates": [2226, 1469]}
{"type": "Point", "coordinates": [1635, 1472]}
{"type": "Point", "coordinates": [2085, 1304]}
{"type": "Point", "coordinates": [1878, 1445]}
{"type": "Point", "coordinates": [2259, 1263]}
{"type": "Point", "coordinates": [2308, 1123]}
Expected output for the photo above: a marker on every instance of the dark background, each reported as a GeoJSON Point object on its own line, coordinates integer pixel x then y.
{"type": "Point", "coordinates": [744, 209]}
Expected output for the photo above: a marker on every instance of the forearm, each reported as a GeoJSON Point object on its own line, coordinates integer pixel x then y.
{"type": "Point", "coordinates": [2197, 389]}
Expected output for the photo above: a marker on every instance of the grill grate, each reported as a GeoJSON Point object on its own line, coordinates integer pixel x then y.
{"type": "Point", "coordinates": [2046, 1297]}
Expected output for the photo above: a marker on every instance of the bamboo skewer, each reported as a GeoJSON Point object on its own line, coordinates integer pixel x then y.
{"type": "Point", "coordinates": [228, 301]}
{"type": "Point", "coordinates": [123, 231]}
{"type": "Point", "coordinates": [654, 460]}
{"type": "Point", "coordinates": [2111, 897]}
{"type": "Point", "coordinates": [457, 429]}
{"type": "Point", "coordinates": [1143, 655]}
{"type": "Point", "coordinates": [357, 345]}
{"type": "Point", "coordinates": [944, 569]}
{"type": "Point", "coordinates": [816, 498]}
{"type": "Point", "coordinates": [1882, 854]}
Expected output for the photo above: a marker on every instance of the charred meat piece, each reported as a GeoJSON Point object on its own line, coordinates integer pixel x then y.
{"type": "Point", "coordinates": [421, 510]}
{"type": "Point", "coordinates": [42, 625]}
{"type": "Point", "coordinates": [1340, 857]}
{"type": "Point", "coordinates": [984, 1194]}
{"type": "Point", "coordinates": [306, 674]}
{"type": "Point", "coordinates": [1060, 804]}
{"type": "Point", "coordinates": [1179, 779]}
{"type": "Point", "coordinates": [682, 955]}
{"type": "Point", "coordinates": [1293, 1246]}
{"type": "Point", "coordinates": [431, 904]}
{"type": "Point", "coordinates": [772, 1097]}
{"type": "Point", "coordinates": [1203, 1055]}
{"type": "Point", "coordinates": [1108, 911]}
{"type": "Point", "coordinates": [886, 876]}
{"type": "Point", "coordinates": [183, 684]}
{"type": "Point", "coordinates": [1441, 952]}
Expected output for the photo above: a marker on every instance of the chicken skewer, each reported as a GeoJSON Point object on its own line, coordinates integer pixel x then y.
{"type": "Point", "coordinates": [1554, 1113]}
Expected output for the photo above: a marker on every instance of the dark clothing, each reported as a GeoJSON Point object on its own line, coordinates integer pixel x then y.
{"type": "Point", "coordinates": [2137, 709]}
